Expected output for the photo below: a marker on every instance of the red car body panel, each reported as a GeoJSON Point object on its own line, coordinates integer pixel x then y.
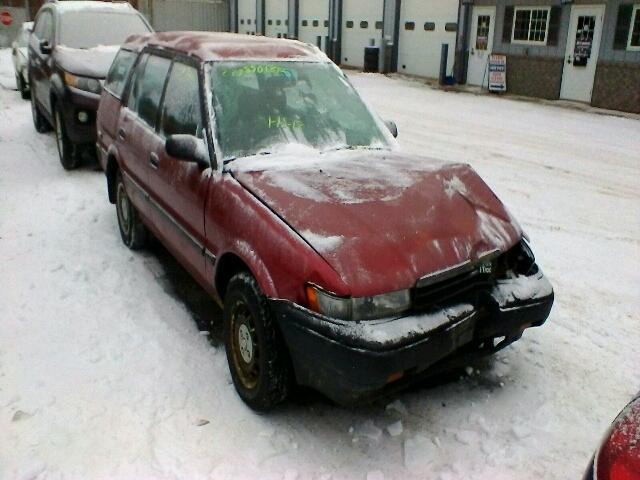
{"type": "Point", "coordinates": [383, 220]}
{"type": "Point", "coordinates": [618, 458]}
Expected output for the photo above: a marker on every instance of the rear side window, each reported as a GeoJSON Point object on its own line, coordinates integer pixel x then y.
{"type": "Point", "coordinates": [181, 112]}
{"type": "Point", "coordinates": [119, 72]}
{"type": "Point", "coordinates": [147, 88]}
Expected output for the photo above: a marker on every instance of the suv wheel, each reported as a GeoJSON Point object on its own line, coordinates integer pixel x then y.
{"type": "Point", "coordinates": [67, 151]}
{"type": "Point", "coordinates": [39, 122]}
{"type": "Point", "coordinates": [22, 88]}
{"type": "Point", "coordinates": [256, 354]}
{"type": "Point", "coordinates": [132, 230]}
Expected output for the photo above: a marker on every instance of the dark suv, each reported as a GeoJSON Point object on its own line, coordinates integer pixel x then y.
{"type": "Point", "coordinates": [70, 51]}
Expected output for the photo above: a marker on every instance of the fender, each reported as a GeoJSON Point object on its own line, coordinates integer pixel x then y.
{"type": "Point", "coordinates": [243, 250]}
{"type": "Point", "coordinates": [58, 89]}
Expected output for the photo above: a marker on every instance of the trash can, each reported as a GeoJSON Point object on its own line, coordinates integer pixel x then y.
{"type": "Point", "coordinates": [371, 59]}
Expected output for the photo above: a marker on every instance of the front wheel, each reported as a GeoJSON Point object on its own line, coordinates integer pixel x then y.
{"type": "Point", "coordinates": [132, 230]}
{"type": "Point", "coordinates": [67, 151]}
{"type": "Point", "coordinates": [39, 122]}
{"type": "Point", "coordinates": [22, 87]}
{"type": "Point", "coordinates": [257, 357]}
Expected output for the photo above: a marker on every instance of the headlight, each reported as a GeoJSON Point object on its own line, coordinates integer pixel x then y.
{"type": "Point", "coordinates": [83, 83]}
{"type": "Point", "coordinates": [362, 308]}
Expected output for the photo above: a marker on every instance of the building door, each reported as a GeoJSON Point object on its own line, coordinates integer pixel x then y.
{"type": "Point", "coordinates": [276, 18]}
{"type": "Point", "coordinates": [247, 17]}
{"type": "Point", "coordinates": [424, 27]}
{"type": "Point", "coordinates": [361, 26]}
{"type": "Point", "coordinates": [480, 45]}
{"type": "Point", "coordinates": [581, 57]}
{"type": "Point", "coordinates": [313, 24]}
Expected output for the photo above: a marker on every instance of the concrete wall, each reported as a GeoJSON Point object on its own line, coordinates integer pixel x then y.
{"type": "Point", "coordinates": [206, 15]}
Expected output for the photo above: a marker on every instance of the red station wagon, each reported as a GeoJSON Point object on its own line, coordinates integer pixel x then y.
{"type": "Point", "coordinates": [341, 263]}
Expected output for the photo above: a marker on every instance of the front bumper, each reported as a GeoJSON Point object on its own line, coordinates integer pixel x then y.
{"type": "Point", "coordinates": [74, 101]}
{"type": "Point", "coordinates": [355, 361]}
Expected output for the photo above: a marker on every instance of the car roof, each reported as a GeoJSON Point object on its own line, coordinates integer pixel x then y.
{"type": "Point", "coordinates": [210, 46]}
{"type": "Point", "coordinates": [92, 5]}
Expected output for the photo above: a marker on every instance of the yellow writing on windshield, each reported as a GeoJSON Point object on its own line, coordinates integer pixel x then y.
{"type": "Point", "coordinates": [279, 121]}
{"type": "Point", "coordinates": [255, 69]}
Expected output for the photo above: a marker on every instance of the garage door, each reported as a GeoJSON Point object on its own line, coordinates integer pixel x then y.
{"type": "Point", "coordinates": [313, 23]}
{"type": "Point", "coordinates": [276, 13]}
{"type": "Point", "coordinates": [361, 23]}
{"type": "Point", "coordinates": [424, 27]}
{"type": "Point", "coordinates": [247, 16]}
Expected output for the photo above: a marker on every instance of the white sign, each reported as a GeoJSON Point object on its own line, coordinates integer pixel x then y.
{"type": "Point", "coordinates": [497, 73]}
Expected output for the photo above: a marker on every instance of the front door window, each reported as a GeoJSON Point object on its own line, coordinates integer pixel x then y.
{"type": "Point", "coordinates": [482, 32]}
{"type": "Point", "coordinates": [584, 40]}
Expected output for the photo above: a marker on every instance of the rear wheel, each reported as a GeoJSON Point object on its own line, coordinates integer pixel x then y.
{"type": "Point", "coordinates": [132, 230]}
{"type": "Point", "coordinates": [39, 122]}
{"type": "Point", "coordinates": [257, 357]}
{"type": "Point", "coordinates": [67, 151]}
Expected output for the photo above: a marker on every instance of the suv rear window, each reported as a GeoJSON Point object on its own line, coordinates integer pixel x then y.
{"type": "Point", "coordinates": [119, 72]}
{"type": "Point", "coordinates": [147, 88]}
{"type": "Point", "coordinates": [89, 29]}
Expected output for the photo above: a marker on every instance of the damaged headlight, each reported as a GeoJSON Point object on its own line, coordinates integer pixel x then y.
{"type": "Point", "coordinates": [361, 308]}
{"type": "Point", "coordinates": [83, 83]}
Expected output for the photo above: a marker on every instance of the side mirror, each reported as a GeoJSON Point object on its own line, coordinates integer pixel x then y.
{"type": "Point", "coordinates": [45, 47]}
{"type": "Point", "coordinates": [188, 149]}
{"type": "Point", "coordinates": [391, 125]}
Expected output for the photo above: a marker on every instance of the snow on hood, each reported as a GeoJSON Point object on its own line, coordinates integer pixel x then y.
{"type": "Point", "coordinates": [90, 62]}
{"type": "Point", "coordinates": [383, 219]}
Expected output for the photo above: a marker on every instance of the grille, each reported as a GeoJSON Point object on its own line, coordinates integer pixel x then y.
{"type": "Point", "coordinates": [463, 286]}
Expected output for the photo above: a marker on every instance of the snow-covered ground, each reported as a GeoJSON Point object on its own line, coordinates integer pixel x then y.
{"type": "Point", "coordinates": [104, 373]}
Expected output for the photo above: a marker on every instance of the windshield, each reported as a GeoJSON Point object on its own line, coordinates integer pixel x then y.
{"type": "Point", "coordinates": [90, 29]}
{"type": "Point", "coordinates": [262, 106]}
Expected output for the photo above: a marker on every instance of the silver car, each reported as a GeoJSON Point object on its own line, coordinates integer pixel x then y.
{"type": "Point", "coordinates": [19, 55]}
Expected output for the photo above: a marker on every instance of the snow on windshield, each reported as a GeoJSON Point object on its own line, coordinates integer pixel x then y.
{"type": "Point", "coordinates": [262, 107]}
{"type": "Point", "coordinates": [87, 29]}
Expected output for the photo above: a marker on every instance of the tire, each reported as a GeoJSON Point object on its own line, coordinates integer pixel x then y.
{"type": "Point", "coordinates": [67, 152]}
{"type": "Point", "coordinates": [22, 88]}
{"type": "Point", "coordinates": [132, 230]}
{"type": "Point", "coordinates": [39, 122]}
{"type": "Point", "coordinates": [257, 357]}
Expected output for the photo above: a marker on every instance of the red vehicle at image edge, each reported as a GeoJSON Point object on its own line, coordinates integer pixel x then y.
{"type": "Point", "coordinates": [341, 263]}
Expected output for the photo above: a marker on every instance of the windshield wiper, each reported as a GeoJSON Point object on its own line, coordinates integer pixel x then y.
{"type": "Point", "coordinates": [229, 160]}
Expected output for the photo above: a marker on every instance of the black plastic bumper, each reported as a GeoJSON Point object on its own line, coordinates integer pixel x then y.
{"type": "Point", "coordinates": [75, 101]}
{"type": "Point", "coordinates": [351, 362]}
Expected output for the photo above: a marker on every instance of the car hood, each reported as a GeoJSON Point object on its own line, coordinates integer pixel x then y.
{"type": "Point", "coordinates": [90, 62]}
{"type": "Point", "coordinates": [382, 220]}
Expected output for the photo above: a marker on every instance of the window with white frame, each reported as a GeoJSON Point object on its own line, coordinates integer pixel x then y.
{"type": "Point", "coordinates": [530, 25]}
{"type": "Point", "coordinates": [634, 31]}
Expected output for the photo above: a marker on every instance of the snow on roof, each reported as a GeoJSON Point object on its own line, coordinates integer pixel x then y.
{"type": "Point", "coordinates": [209, 46]}
{"type": "Point", "coordinates": [93, 5]}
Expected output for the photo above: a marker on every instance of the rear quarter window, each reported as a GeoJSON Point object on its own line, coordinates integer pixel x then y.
{"type": "Point", "coordinates": [119, 72]}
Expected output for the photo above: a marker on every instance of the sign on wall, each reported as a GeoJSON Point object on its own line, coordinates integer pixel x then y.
{"type": "Point", "coordinates": [497, 73]}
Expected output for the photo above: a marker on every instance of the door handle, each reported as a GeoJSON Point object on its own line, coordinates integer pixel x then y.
{"type": "Point", "coordinates": [569, 59]}
{"type": "Point", "coordinates": [154, 161]}
{"type": "Point", "coordinates": [122, 135]}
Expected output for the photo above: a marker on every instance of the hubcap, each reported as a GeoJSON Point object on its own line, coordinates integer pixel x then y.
{"type": "Point", "coordinates": [244, 346]}
{"type": "Point", "coordinates": [245, 343]}
{"type": "Point", "coordinates": [123, 209]}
